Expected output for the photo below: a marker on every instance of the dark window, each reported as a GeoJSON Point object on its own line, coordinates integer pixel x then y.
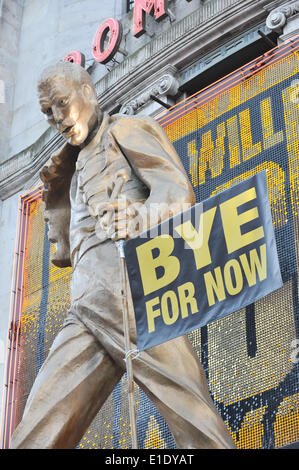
{"type": "Point", "coordinates": [228, 65]}
{"type": "Point", "coordinates": [130, 4]}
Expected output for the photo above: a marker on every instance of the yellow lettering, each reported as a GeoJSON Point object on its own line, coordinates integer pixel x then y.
{"type": "Point", "coordinates": [233, 141]}
{"type": "Point", "coordinates": [149, 264]}
{"type": "Point", "coordinates": [186, 297]}
{"type": "Point", "coordinates": [214, 286]}
{"type": "Point", "coordinates": [249, 150]}
{"type": "Point", "coordinates": [199, 240]}
{"type": "Point", "coordinates": [193, 155]}
{"type": "Point", "coordinates": [270, 138]}
{"type": "Point", "coordinates": [232, 289]}
{"type": "Point", "coordinates": [169, 296]}
{"type": "Point", "coordinates": [232, 221]}
{"type": "Point", "coordinates": [291, 111]}
{"type": "Point", "coordinates": [151, 313]}
{"type": "Point", "coordinates": [212, 153]}
{"type": "Point", "coordinates": [256, 265]}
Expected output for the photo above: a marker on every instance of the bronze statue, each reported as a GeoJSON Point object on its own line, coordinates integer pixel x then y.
{"type": "Point", "coordinates": [86, 359]}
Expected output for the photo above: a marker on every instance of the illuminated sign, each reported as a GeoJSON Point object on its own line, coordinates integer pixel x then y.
{"type": "Point", "coordinates": [8, 410]}
{"type": "Point", "coordinates": [109, 34]}
{"type": "Point", "coordinates": [76, 57]}
{"type": "Point", "coordinates": [241, 125]}
{"type": "Point", "coordinates": [143, 7]}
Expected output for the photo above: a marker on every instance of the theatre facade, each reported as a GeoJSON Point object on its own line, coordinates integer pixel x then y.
{"type": "Point", "coordinates": [221, 77]}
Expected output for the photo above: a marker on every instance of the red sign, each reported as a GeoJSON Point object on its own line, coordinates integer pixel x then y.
{"type": "Point", "coordinates": [141, 7]}
{"type": "Point", "coordinates": [76, 57]}
{"type": "Point", "coordinates": [109, 34]}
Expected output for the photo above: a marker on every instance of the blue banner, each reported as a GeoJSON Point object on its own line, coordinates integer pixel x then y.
{"type": "Point", "coordinates": [205, 263]}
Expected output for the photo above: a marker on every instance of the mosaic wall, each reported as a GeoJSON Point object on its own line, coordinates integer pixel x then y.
{"type": "Point", "coordinates": [250, 123]}
{"type": "Point", "coordinates": [250, 356]}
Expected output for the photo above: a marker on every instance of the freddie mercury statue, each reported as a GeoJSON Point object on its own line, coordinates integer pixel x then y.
{"type": "Point", "coordinates": [86, 360]}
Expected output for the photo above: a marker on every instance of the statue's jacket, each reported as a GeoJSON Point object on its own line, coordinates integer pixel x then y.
{"type": "Point", "coordinates": [76, 181]}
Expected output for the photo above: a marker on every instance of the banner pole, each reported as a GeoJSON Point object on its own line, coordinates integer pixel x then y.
{"type": "Point", "coordinates": [121, 177]}
{"type": "Point", "coordinates": [128, 358]}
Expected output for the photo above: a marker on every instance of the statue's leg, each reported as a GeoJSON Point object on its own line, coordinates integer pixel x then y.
{"type": "Point", "coordinates": [70, 388]}
{"type": "Point", "coordinates": [173, 378]}
{"type": "Point", "coordinates": [171, 373]}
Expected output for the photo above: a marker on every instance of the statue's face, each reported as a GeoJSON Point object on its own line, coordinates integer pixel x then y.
{"type": "Point", "coordinates": [71, 108]}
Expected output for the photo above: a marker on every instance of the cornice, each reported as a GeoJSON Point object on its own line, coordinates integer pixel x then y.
{"type": "Point", "coordinates": [279, 16]}
{"type": "Point", "coordinates": [195, 35]}
{"type": "Point", "coordinates": [182, 43]}
{"type": "Point", "coordinates": [163, 83]}
{"type": "Point", "coordinates": [16, 172]}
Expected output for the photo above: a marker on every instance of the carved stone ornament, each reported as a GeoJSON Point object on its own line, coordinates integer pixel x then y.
{"type": "Point", "coordinates": [278, 18]}
{"type": "Point", "coordinates": [165, 85]}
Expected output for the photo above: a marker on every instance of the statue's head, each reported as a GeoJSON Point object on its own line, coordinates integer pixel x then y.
{"type": "Point", "coordinates": [68, 99]}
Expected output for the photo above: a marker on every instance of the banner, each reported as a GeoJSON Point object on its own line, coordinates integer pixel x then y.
{"type": "Point", "coordinates": [209, 261]}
